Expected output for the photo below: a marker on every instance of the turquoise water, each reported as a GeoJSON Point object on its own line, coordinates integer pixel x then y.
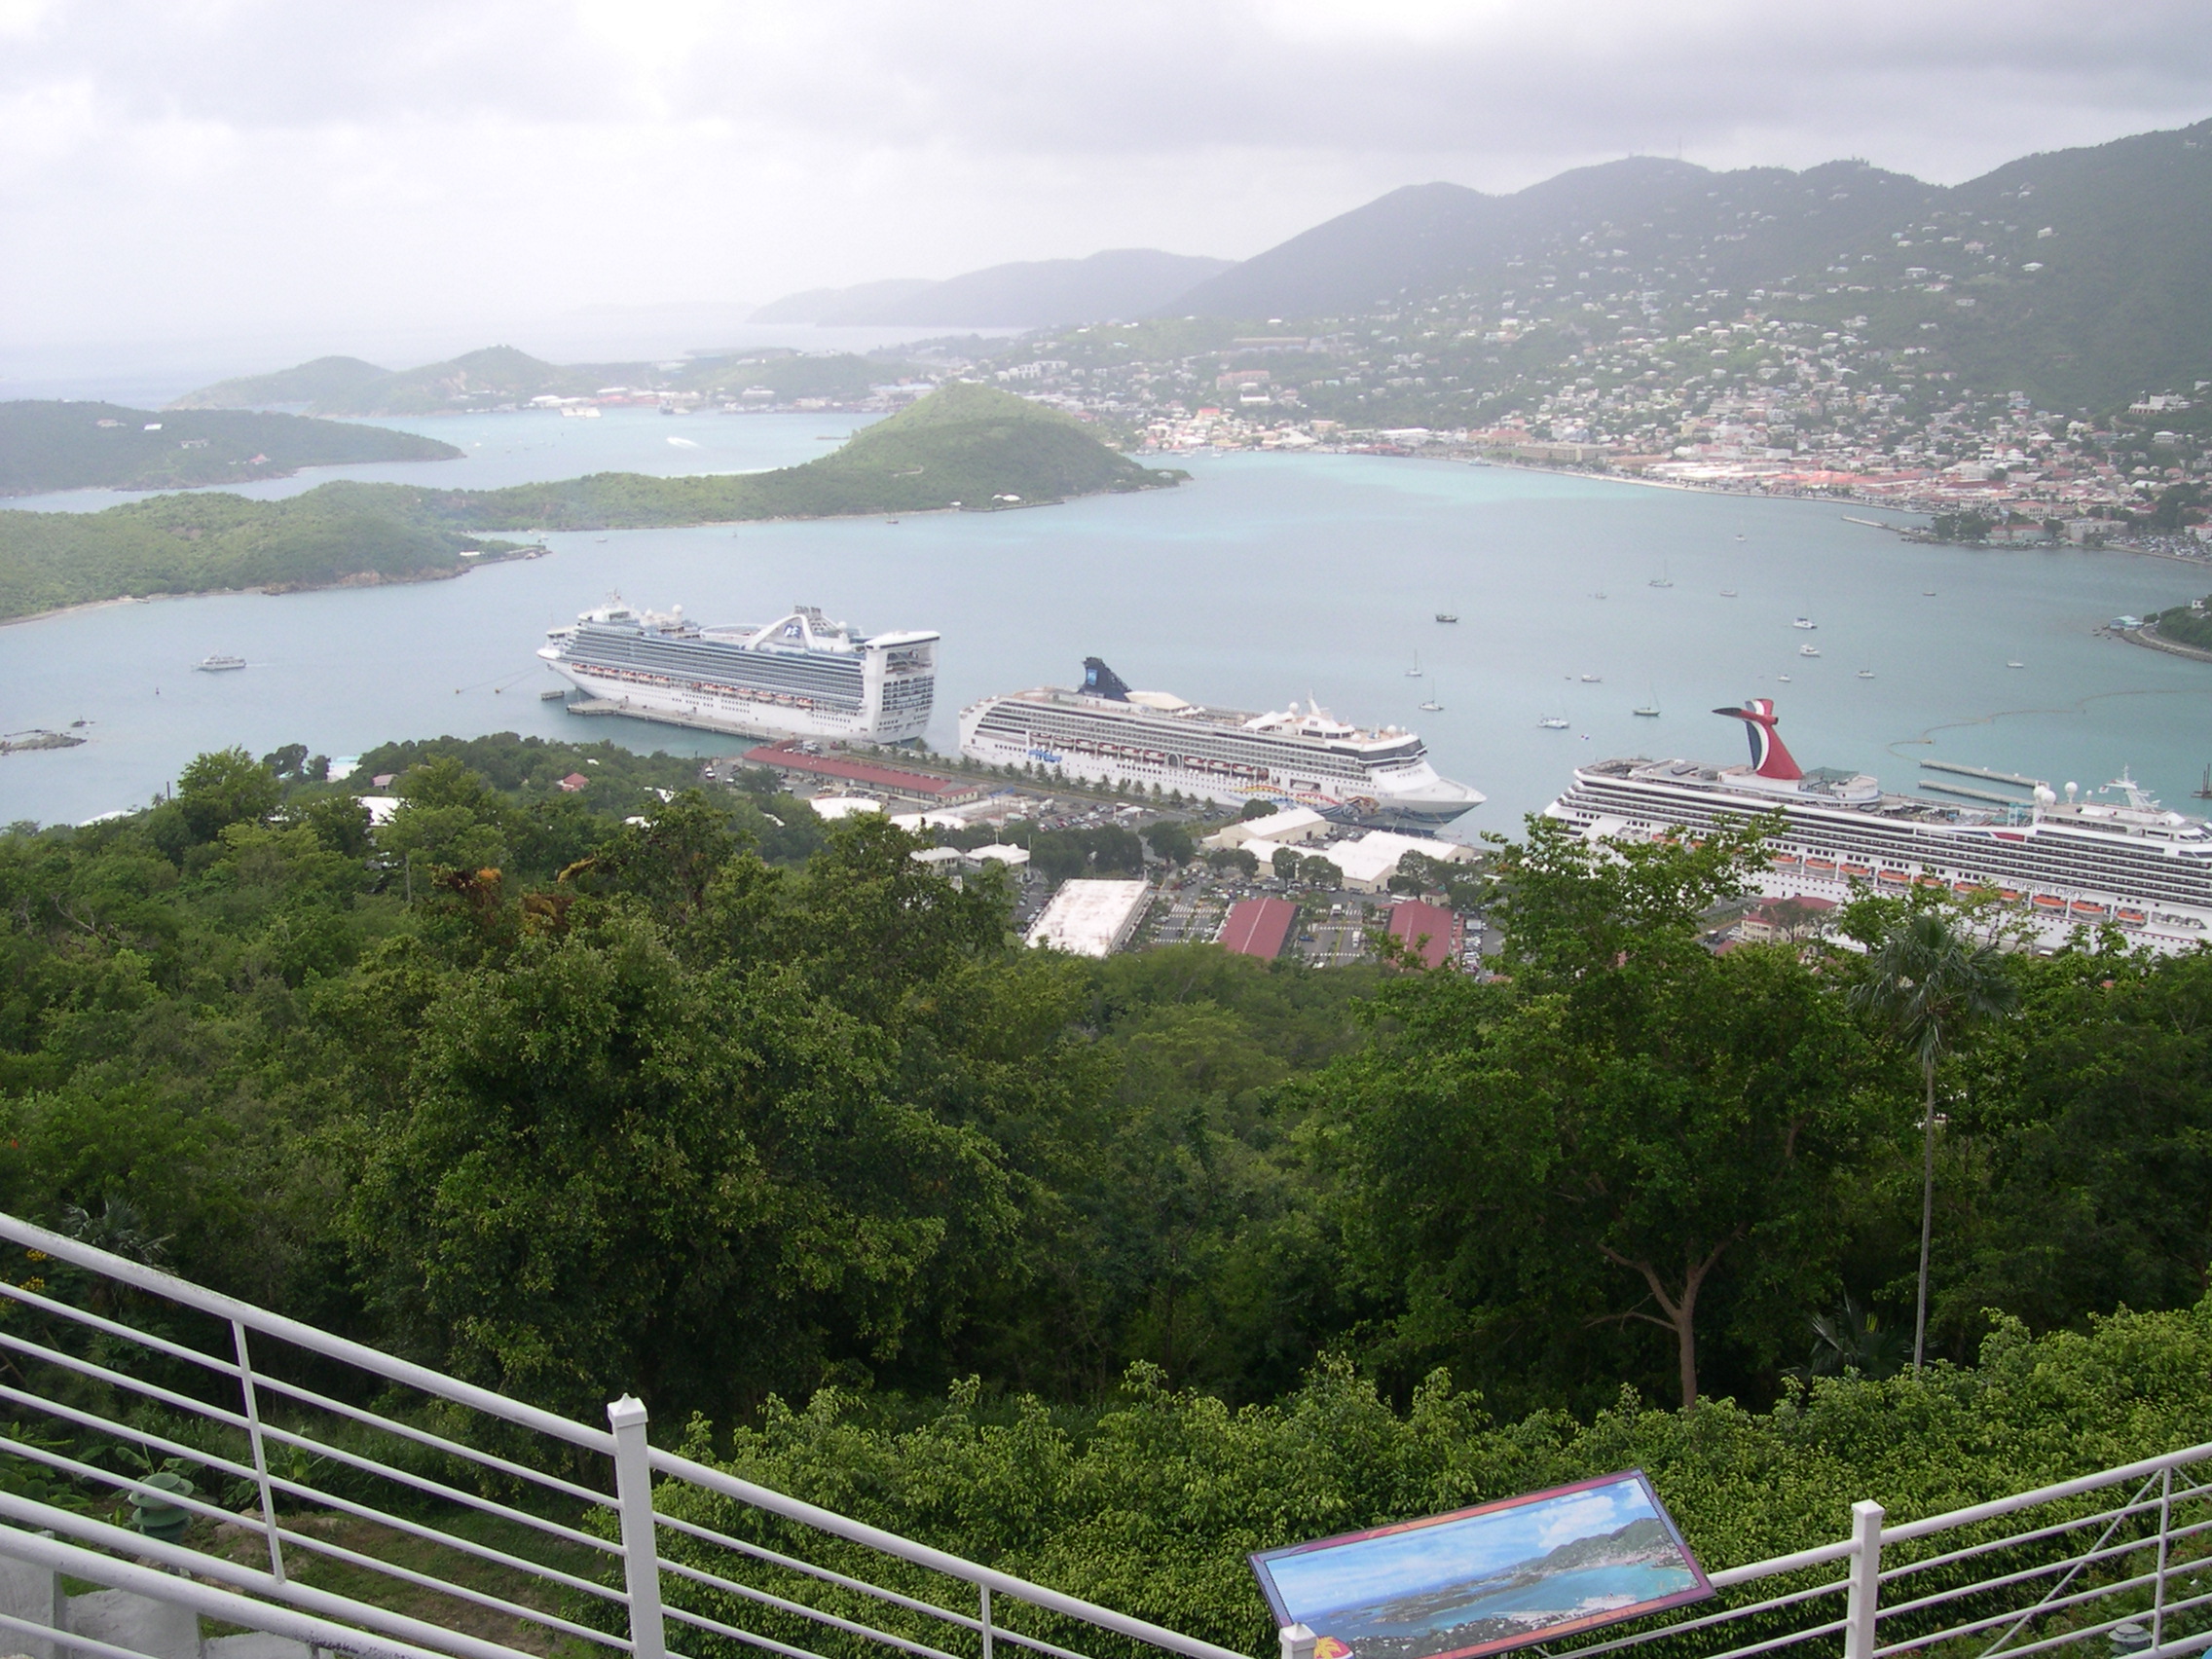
{"type": "Point", "coordinates": [1560, 1594]}
{"type": "Point", "coordinates": [1267, 577]}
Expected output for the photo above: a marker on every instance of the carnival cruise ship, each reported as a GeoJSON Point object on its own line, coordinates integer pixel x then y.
{"type": "Point", "coordinates": [2072, 863]}
{"type": "Point", "coordinates": [799, 676]}
{"type": "Point", "coordinates": [1105, 733]}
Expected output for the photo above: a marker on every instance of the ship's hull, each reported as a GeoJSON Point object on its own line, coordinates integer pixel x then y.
{"type": "Point", "coordinates": [1109, 749]}
{"type": "Point", "coordinates": [2052, 876]}
{"type": "Point", "coordinates": [744, 711]}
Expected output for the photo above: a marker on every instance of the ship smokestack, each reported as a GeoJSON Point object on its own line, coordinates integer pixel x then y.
{"type": "Point", "coordinates": [1102, 681]}
{"type": "Point", "coordinates": [1769, 759]}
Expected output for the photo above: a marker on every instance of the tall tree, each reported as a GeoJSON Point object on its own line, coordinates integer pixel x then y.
{"type": "Point", "coordinates": [1633, 1123]}
{"type": "Point", "coordinates": [1930, 983]}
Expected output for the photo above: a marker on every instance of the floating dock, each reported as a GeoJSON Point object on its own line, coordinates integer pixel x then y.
{"type": "Point", "coordinates": [1981, 772]}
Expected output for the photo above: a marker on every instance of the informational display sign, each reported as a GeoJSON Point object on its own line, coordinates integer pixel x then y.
{"type": "Point", "coordinates": [1482, 1581]}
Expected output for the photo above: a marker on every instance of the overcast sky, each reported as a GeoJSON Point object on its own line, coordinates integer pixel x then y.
{"type": "Point", "coordinates": [199, 168]}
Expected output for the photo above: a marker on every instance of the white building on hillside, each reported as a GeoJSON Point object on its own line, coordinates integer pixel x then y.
{"type": "Point", "coordinates": [1092, 918]}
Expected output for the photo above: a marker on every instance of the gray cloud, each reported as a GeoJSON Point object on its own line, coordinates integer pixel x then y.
{"type": "Point", "coordinates": [211, 165]}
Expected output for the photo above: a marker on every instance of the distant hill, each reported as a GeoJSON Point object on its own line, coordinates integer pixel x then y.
{"type": "Point", "coordinates": [964, 445]}
{"type": "Point", "coordinates": [1119, 284]}
{"type": "Point", "coordinates": [74, 446]}
{"type": "Point", "coordinates": [1758, 223]}
{"type": "Point", "coordinates": [478, 380]}
{"type": "Point", "coordinates": [833, 305]}
{"type": "Point", "coordinates": [324, 379]}
{"type": "Point", "coordinates": [2114, 299]}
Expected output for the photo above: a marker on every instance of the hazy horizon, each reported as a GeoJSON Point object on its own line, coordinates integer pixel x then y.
{"type": "Point", "coordinates": [250, 171]}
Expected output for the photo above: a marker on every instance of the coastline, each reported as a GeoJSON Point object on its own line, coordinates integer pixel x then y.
{"type": "Point", "coordinates": [2148, 637]}
{"type": "Point", "coordinates": [359, 580]}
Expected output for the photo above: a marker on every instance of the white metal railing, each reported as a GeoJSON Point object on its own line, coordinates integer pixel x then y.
{"type": "Point", "coordinates": [378, 1508]}
{"type": "Point", "coordinates": [2092, 1564]}
{"type": "Point", "coordinates": [404, 1514]}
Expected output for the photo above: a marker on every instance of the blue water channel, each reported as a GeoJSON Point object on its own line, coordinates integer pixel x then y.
{"type": "Point", "coordinates": [1267, 577]}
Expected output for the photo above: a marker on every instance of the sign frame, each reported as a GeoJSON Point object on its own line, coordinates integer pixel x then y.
{"type": "Point", "coordinates": [1700, 1588]}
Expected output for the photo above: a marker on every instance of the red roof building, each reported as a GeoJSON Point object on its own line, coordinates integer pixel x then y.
{"type": "Point", "coordinates": [789, 758]}
{"type": "Point", "coordinates": [1434, 933]}
{"type": "Point", "coordinates": [573, 782]}
{"type": "Point", "coordinates": [1259, 927]}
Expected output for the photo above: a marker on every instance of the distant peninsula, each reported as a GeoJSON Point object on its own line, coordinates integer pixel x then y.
{"type": "Point", "coordinates": [966, 447]}
{"type": "Point", "coordinates": [47, 446]}
{"type": "Point", "coordinates": [500, 377]}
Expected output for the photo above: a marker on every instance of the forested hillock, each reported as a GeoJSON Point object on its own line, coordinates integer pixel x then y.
{"type": "Point", "coordinates": [210, 542]}
{"type": "Point", "coordinates": [1176, 1255]}
{"type": "Point", "coordinates": [74, 446]}
{"type": "Point", "coordinates": [963, 446]}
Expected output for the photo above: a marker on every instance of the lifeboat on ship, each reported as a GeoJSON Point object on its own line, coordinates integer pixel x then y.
{"type": "Point", "coordinates": [2090, 911]}
{"type": "Point", "coordinates": [1818, 865]}
{"type": "Point", "coordinates": [1966, 889]}
{"type": "Point", "coordinates": [1785, 860]}
{"type": "Point", "coordinates": [1856, 871]}
{"type": "Point", "coordinates": [1934, 881]}
{"type": "Point", "coordinates": [2010, 895]}
{"type": "Point", "coordinates": [1892, 879]}
{"type": "Point", "coordinates": [2048, 905]}
{"type": "Point", "coordinates": [2127, 916]}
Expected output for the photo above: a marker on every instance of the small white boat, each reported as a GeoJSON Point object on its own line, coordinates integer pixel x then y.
{"type": "Point", "coordinates": [1808, 650]}
{"type": "Point", "coordinates": [1414, 673]}
{"type": "Point", "coordinates": [1649, 711]}
{"type": "Point", "coordinates": [1727, 593]}
{"type": "Point", "coordinates": [219, 663]}
{"type": "Point", "coordinates": [2016, 665]}
{"type": "Point", "coordinates": [1865, 674]}
{"type": "Point", "coordinates": [1448, 616]}
{"type": "Point", "coordinates": [1432, 707]}
{"type": "Point", "coordinates": [1590, 680]}
{"type": "Point", "coordinates": [1783, 677]}
{"type": "Point", "coordinates": [1805, 622]}
{"type": "Point", "coordinates": [1553, 722]}
{"type": "Point", "coordinates": [1662, 580]}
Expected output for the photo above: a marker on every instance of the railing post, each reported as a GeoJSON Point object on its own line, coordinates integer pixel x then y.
{"type": "Point", "coordinates": [1297, 1641]}
{"type": "Point", "coordinates": [641, 1543]}
{"type": "Point", "coordinates": [260, 1450]}
{"type": "Point", "coordinates": [1866, 1597]}
{"type": "Point", "coordinates": [2166, 1542]}
{"type": "Point", "coordinates": [983, 1596]}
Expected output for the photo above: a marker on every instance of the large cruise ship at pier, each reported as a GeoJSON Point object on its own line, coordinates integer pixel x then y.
{"type": "Point", "coordinates": [799, 676]}
{"type": "Point", "coordinates": [2074, 863]}
{"type": "Point", "coordinates": [1105, 733]}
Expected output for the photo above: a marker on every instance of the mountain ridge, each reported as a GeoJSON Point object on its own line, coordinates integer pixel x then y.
{"type": "Point", "coordinates": [1042, 293]}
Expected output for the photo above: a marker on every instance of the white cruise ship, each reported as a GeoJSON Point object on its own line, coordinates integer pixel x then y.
{"type": "Point", "coordinates": [799, 676]}
{"type": "Point", "coordinates": [1105, 733]}
{"type": "Point", "coordinates": [2066, 863]}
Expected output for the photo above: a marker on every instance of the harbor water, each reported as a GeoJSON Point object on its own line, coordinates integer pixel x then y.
{"type": "Point", "coordinates": [1266, 578]}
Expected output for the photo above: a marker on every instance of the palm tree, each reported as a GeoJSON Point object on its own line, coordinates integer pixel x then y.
{"type": "Point", "coordinates": [1930, 983]}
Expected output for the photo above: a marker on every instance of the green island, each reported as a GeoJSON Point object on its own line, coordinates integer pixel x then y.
{"type": "Point", "coordinates": [48, 445]}
{"type": "Point", "coordinates": [1172, 1256]}
{"type": "Point", "coordinates": [964, 446]}
{"type": "Point", "coordinates": [333, 535]}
